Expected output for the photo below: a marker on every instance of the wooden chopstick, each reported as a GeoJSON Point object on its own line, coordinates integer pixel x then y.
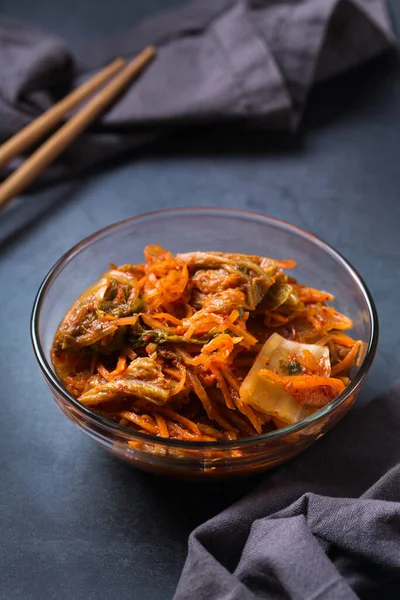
{"type": "Point", "coordinates": [53, 147]}
{"type": "Point", "coordinates": [43, 124]}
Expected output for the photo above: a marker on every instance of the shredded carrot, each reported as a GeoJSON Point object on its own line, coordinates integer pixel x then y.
{"type": "Point", "coordinates": [202, 325]}
{"type": "Point", "coordinates": [342, 339]}
{"type": "Point", "coordinates": [223, 387]}
{"type": "Point", "coordinates": [231, 319]}
{"type": "Point", "coordinates": [201, 393]}
{"type": "Point", "coordinates": [126, 321]}
{"type": "Point", "coordinates": [162, 426]}
{"type": "Point", "coordinates": [108, 317]}
{"type": "Point", "coordinates": [212, 432]}
{"type": "Point", "coordinates": [129, 353]}
{"type": "Point", "coordinates": [165, 346]}
{"type": "Point", "coordinates": [120, 368]}
{"type": "Point", "coordinates": [182, 379]}
{"type": "Point", "coordinates": [212, 412]}
{"type": "Point", "coordinates": [188, 435]}
{"type": "Point", "coordinates": [172, 415]}
{"type": "Point", "coordinates": [151, 349]}
{"type": "Point", "coordinates": [307, 294]}
{"type": "Point", "coordinates": [325, 339]}
{"type": "Point", "coordinates": [104, 373]}
{"type": "Point", "coordinates": [303, 381]}
{"type": "Point", "coordinates": [348, 361]}
{"type": "Point", "coordinates": [240, 332]}
{"type": "Point", "coordinates": [141, 282]}
{"type": "Point", "coordinates": [308, 361]}
{"type": "Point", "coordinates": [286, 264]}
{"type": "Point", "coordinates": [154, 324]}
{"type": "Point", "coordinates": [174, 373]}
{"type": "Point", "coordinates": [315, 322]}
{"type": "Point", "coordinates": [276, 316]}
{"type": "Point", "coordinates": [139, 420]}
{"type": "Point", "coordinates": [165, 317]}
{"type": "Point", "coordinates": [216, 351]}
{"type": "Point", "coordinates": [231, 379]}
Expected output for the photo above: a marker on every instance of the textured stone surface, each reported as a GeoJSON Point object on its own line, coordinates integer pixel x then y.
{"type": "Point", "coordinates": [76, 522]}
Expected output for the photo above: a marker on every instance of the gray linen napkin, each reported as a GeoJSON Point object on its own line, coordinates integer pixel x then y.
{"type": "Point", "coordinates": [324, 526]}
{"type": "Point", "coordinates": [217, 60]}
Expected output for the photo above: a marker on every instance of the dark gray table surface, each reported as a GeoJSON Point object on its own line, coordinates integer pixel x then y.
{"type": "Point", "coordinates": [75, 522]}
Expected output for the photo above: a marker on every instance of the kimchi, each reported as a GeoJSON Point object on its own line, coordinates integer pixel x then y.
{"type": "Point", "coordinates": [204, 346]}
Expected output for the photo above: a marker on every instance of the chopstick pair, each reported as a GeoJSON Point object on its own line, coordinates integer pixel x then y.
{"type": "Point", "coordinates": [52, 148]}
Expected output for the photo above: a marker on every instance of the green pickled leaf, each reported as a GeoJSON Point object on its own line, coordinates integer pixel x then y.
{"type": "Point", "coordinates": [278, 294]}
{"type": "Point", "coordinates": [113, 344]}
{"type": "Point", "coordinates": [292, 367]}
{"type": "Point", "coordinates": [158, 336]}
{"type": "Point", "coordinates": [257, 290]}
{"type": "Point", "coordinates": [242, 269]}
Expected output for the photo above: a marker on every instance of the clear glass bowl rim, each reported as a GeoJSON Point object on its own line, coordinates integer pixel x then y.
{"type": "Point", "coordinates": [219, 445]}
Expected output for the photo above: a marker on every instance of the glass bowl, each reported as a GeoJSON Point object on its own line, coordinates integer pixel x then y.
{"type": "Point", "coordinates": [184, 230]}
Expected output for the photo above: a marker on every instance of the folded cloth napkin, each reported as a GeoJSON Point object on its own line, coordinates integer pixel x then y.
{"type": "Point", "coordinates": [324, 526]}
{"type": "Point", "coordinates": [217, 60]}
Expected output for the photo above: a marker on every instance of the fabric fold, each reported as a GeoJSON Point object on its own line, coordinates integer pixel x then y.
{"type": "Point", "coordinates": [325, 525]}
{"type": "Point", "coordinates": [218, 60]}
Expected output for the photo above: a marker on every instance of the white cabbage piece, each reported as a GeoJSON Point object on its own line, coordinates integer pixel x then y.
{"type": "Point", "coordinates": [271, 397]}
